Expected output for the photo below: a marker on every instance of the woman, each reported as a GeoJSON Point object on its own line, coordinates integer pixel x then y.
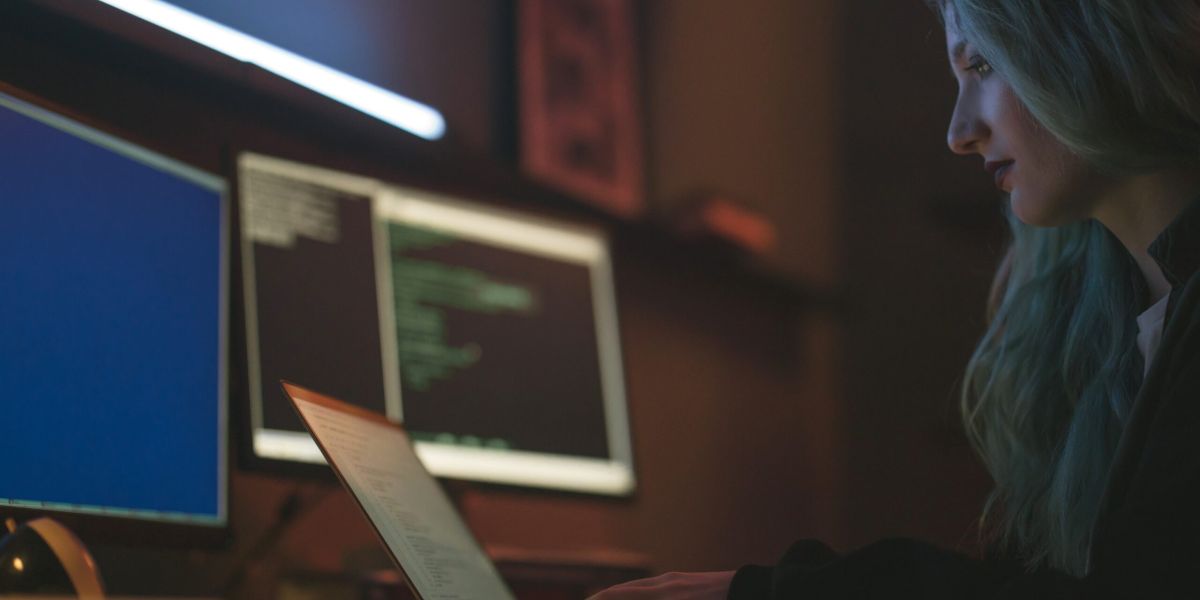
{"type": "Point", "coordinates": [1083, 397]}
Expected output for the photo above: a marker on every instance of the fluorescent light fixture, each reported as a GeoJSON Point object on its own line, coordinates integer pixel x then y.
{"type": "Point", "coordinates": [387, 106]}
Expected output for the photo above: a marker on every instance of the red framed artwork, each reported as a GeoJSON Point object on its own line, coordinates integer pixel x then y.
{"type": "Point", "coordinates": [580, 122]}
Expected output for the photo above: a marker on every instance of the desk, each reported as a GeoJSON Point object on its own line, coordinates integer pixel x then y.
{"type": "Point", "coordinates": [530, 575]}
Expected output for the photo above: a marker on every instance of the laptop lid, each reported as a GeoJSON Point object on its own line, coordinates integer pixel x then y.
{"type": "Point", "coordinates": [406, 507]}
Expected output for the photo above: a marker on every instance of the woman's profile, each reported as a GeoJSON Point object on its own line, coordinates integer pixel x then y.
{"type": "Point", "coordinates": [1083, 396]}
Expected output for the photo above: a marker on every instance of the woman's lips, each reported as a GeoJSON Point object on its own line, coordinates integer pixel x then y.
{"type": "Point", "coordinates": [999, 170]}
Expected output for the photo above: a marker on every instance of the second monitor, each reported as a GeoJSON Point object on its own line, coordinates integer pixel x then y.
{"type": "Point", "coordinates": [498, 344]}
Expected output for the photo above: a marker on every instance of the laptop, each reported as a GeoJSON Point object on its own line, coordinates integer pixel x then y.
{"type": "Point", "coordinates": [409, 511]}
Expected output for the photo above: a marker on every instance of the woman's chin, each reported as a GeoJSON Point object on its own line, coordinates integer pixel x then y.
{"type": "Point", "coordinates": [1023, 210]}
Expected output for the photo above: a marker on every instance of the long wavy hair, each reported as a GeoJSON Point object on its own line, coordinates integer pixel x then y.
{"type": "Point", "coordinates": [1048, 388]}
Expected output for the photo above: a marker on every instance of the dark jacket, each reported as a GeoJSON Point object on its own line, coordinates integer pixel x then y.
{"type": "Point", "coordinates": [1146, 543]}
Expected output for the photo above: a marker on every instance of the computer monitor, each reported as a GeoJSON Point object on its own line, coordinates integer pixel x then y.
{"type": "Point", "coordinates": [491, 334]}
{"type": "Point", "coordinates": [112, 328]}
{"type": "Point", "coordinates": [309, 270]}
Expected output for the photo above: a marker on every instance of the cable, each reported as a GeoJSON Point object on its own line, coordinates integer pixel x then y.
{"type": "Point", "coordinates": [286, 513]}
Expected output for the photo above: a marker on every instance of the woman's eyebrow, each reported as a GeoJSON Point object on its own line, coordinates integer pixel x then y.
{"type": "Point", "coordinates": [956, 52]}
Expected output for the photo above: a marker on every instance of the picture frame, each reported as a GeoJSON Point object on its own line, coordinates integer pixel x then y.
{"type": "Point", "coordinates": [580, 121]}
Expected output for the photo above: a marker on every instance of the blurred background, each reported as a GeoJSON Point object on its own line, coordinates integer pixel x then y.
{"type": "Point", "coordinates": [800, 264]}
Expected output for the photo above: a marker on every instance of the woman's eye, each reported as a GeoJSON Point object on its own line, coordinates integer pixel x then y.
{"type": "Point", "coordinates": [980, 66]}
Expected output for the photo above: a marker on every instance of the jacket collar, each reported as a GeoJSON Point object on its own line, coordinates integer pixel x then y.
{"type": "Point", "coordinates": [1177, 248]}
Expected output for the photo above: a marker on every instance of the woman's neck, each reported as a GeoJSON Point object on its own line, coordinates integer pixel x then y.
{"type": "Point", "coordinates": [1140, 209]}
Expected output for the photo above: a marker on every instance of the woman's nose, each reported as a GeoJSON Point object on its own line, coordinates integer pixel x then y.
{"type": "Point", "coordinates": [967, 131]}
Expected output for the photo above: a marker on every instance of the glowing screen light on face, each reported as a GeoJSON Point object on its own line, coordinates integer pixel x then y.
{"type": "Point", "coordinates": [390, 107]}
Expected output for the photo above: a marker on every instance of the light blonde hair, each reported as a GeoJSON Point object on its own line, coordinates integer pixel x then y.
{"type": "Point", "coordinates": [1048, 388]}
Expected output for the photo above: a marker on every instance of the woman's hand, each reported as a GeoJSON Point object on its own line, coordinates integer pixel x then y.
{"type": "Point", "coordinates": [675, 586]}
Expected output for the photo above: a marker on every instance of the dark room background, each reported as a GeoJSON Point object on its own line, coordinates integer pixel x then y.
{"type": "Point", "coordinates": [807, 393]}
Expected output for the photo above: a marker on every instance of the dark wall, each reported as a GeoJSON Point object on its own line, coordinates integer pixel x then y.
{"type": "Point", "coordinates": [743, 102]}
{"type": "Point", "coordinates": [829, 118]}
{"type": "Point", "coordinates": [922, 230]}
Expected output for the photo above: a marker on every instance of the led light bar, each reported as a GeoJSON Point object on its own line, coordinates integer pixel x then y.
{"type": "Point", "coordinates": [389, 107]}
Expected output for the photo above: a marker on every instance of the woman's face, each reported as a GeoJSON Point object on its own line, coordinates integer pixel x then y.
{"type": "Point", "coordinates": [1047, 184]}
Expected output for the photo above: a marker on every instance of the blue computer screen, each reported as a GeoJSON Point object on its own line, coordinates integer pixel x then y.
{"type": "Point", "coordinates": [112, 312]}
